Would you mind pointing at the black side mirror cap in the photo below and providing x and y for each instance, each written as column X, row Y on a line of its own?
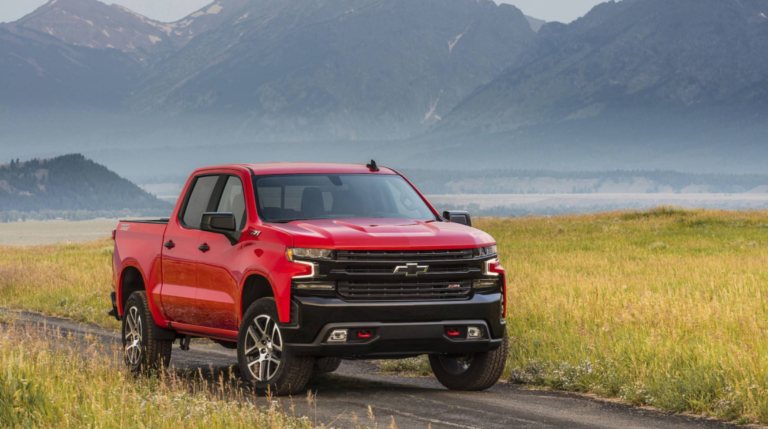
column 458, row 216
column 221, row 223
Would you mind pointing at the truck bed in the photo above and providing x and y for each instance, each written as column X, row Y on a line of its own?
column 162, row 221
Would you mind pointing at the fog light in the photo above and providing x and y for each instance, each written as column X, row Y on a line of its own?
column 474, row 332
column 338, row 336
column 315, row 286
column 483, row 284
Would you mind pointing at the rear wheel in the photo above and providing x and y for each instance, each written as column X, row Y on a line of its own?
column 264, row 362
column 141, row 350
column 327, row 365
column 471, row 372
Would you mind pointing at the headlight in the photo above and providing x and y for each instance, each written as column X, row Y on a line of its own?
column 294, row 254
column 485, row 251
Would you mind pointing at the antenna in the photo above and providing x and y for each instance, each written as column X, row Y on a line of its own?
column 373, row 166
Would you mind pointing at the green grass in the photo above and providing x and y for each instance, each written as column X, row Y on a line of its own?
column 666, row 308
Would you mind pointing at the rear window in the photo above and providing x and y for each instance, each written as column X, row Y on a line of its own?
column 308, row 197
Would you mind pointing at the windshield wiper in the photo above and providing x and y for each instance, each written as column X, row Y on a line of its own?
column 287, row 220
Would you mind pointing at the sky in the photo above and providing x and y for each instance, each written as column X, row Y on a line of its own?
column 161, row 10
column 553, row 10
column 173, row 10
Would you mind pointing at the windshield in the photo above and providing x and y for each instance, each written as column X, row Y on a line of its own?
column 337, row 196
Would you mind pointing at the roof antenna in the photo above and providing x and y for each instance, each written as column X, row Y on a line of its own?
column 373, row 166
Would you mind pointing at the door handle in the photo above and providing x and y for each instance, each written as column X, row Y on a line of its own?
column 169, row 245
column 204, row 247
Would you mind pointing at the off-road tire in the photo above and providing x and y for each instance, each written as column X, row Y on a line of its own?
column 326, row 365
column 294, row 371
column 154, row 354
column 483, row 372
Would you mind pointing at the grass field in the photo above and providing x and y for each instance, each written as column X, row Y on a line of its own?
column 38, row 388
column 665, row 308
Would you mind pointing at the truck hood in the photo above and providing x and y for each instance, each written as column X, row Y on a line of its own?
column 383, row 234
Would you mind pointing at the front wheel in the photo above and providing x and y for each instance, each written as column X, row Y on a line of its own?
column 471, row 372
column 141, row 350
column 264, row 362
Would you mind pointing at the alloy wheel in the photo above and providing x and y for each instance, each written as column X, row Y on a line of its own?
column 264, row 348
column 133, row 347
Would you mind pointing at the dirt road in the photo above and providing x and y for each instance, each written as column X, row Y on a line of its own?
column 344, row 397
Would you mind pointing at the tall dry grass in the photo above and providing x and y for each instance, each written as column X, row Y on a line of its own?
column 664, row 308
column 46, row 382
column 71, row 281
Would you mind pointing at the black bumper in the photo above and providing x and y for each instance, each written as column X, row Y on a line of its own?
column 395, row 328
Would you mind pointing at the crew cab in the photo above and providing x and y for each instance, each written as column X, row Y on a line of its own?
column 301, row 265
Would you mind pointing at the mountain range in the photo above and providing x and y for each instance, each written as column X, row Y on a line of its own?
column 678, row 57
column 349, row 69
column 673, row 84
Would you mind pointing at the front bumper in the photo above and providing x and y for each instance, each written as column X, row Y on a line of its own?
column 395, row 328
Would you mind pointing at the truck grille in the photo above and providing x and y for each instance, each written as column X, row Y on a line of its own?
column 394, row 291
column 404, row 255
column 389, row 269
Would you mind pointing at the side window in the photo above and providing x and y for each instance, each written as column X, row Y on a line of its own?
column 233, row 200
column 198, row 201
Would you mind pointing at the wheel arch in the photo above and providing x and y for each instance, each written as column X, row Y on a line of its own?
column 131, row 280
column 256, row 285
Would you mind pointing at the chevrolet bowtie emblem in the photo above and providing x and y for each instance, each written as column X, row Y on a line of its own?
column 411, row 270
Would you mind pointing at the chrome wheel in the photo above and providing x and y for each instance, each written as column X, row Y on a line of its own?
column 133, row 346
column 263, row 348
column 456, row 365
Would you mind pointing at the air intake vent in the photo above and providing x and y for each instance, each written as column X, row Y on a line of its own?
column 403, row 291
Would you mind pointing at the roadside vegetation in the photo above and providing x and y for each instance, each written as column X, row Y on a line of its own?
column 71, row 281
column 666, row 308
column 38, row 388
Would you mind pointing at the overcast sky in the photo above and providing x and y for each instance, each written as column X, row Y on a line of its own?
column 173, row 10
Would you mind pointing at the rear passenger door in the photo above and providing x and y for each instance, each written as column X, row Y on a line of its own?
column 217, row 284
column 180, row 251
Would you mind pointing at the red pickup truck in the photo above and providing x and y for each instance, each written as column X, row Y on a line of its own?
column 298, row 265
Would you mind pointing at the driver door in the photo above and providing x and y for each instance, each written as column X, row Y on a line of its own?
column 217, row 281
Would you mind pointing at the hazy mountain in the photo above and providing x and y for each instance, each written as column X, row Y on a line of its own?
column 629, row 65
column 70, row 182
column 208, row 18
column 337, row 68
column 40, row 71
column 536, row 24
column 93, row 24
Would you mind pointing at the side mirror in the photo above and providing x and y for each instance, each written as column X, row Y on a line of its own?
column 458, row 216
column 221, row 223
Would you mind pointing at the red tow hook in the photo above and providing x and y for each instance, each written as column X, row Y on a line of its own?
column 451, row 332
column 364, row 334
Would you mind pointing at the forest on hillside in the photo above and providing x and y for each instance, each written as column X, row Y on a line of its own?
column 70, row 187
